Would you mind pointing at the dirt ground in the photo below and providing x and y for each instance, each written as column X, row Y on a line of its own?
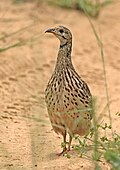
column 26, row 139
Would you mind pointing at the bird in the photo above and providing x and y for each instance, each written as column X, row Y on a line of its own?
column 67, row 95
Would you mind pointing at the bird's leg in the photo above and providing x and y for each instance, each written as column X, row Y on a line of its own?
column 69, row 143
column 64, row 144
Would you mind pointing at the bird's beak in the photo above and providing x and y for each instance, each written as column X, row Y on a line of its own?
column 50, row 30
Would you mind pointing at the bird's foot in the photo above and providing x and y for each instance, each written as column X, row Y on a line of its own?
column 64, row 151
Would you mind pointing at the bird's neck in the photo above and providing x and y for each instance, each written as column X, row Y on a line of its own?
column 64, row 55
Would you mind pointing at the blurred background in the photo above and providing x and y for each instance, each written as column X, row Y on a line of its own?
column 27, row 60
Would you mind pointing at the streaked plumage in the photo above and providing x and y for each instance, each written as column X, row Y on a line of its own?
column 67, row 96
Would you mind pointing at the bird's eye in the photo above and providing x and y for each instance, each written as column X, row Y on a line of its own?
column 61, row 31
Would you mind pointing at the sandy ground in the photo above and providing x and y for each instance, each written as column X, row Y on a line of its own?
column 26, row 139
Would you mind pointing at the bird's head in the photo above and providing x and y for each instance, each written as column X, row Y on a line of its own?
column 62, row 33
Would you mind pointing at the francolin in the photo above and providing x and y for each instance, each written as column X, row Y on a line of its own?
column 67, row 96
